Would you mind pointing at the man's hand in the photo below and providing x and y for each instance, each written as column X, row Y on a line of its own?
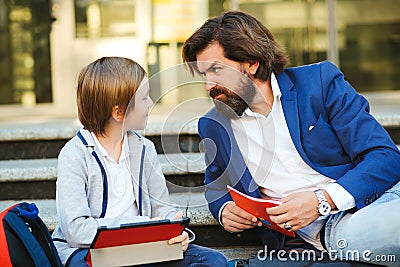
column 298, row 209
column 235, row 220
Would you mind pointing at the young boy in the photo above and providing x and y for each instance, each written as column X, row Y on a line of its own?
column 109, row 175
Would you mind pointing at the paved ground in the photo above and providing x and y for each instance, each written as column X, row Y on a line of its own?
column 385, row 106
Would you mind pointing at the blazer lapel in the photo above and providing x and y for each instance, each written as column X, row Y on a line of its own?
column 235, row 162
column 291, row 111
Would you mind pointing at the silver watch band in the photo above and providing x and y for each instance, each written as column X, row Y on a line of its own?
column 320, row 196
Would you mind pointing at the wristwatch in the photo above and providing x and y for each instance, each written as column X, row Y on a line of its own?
column 324, row 208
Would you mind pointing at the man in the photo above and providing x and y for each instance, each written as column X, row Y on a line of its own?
column 300, row 134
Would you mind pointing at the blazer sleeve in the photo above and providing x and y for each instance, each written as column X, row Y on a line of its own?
column 370, row 148
column 216, row 175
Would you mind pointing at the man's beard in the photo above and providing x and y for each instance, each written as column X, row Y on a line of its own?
column 233, row 105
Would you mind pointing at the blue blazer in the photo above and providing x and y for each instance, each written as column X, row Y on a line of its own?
column 346, row 143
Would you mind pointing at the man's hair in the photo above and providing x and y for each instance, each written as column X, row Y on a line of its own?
column 243, row 39
column 104, row 84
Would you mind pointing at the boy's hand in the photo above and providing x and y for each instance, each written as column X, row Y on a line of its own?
column 183, row 238
column 179, row 215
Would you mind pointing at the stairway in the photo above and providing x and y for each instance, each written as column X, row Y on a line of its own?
column 28, row 162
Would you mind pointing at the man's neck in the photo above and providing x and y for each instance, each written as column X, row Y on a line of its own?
column 264, row 98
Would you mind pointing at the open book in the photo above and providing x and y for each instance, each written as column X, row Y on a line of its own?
column 257, row 206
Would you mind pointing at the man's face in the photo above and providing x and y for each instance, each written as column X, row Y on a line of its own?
column 228, row 85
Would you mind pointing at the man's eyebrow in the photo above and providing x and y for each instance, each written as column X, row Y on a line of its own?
column 210, row 67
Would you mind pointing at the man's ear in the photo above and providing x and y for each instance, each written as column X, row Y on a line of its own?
column 118, row 114
column 253, row 67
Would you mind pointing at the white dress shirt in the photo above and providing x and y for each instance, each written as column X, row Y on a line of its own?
column 276, row 166
column 121, row 198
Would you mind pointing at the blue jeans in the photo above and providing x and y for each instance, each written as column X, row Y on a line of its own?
column 194, row 256
column 371, row 234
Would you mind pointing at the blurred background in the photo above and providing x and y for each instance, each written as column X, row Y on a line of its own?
column 44, row 43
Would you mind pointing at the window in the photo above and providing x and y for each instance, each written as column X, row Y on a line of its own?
column 25, row 52
column 104, row 18
column 370, row 43
column 368, row 35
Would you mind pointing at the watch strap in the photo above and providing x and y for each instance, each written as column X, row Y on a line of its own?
column 320, row 196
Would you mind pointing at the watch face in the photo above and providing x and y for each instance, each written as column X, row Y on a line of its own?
column 324, row 208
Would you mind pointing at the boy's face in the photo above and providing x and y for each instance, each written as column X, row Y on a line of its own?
column 136, row 117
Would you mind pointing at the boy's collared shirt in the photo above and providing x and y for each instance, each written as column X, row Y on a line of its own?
column 121, row 198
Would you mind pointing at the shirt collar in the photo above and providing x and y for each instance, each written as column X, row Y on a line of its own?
column 104, row 152
column 276, row 91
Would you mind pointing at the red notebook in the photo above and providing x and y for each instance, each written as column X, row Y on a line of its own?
column 141, row 232
column 136, row 243
column 257, row 206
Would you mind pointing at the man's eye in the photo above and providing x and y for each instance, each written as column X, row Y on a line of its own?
column 215, row 69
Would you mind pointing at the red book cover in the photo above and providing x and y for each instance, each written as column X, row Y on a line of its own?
column 257, row 206
column 141, row 232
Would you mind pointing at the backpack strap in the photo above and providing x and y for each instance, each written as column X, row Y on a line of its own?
column 5, row 255
column 17, row 224
column 42, row 234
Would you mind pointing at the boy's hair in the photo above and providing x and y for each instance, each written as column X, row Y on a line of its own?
column 104, row 84
column 243, row 39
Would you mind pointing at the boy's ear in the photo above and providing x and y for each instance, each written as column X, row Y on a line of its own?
column 118, row 114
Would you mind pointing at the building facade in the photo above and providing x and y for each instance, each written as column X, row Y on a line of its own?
column 44, row 43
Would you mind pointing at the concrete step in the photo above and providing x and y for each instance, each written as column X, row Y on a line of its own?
column 238, row 252
column 194, row 206
column 46, row 169
column 44, row 139
column 35, row 178
column 50, row 148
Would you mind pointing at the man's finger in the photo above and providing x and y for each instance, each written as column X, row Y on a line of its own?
column 280, row 219
column 281, row 209
column 241, row 213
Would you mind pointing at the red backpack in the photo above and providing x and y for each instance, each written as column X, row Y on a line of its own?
column 24, row 238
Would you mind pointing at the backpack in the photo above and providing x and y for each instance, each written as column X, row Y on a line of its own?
column 24, row 238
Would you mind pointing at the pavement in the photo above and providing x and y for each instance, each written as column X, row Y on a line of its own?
column 181, row 118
